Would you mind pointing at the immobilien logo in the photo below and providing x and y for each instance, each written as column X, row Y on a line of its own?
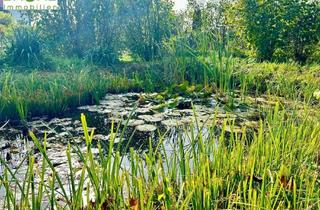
column 29, row 4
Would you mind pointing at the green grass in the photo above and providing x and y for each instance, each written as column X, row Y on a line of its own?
column 25, row 95
column 275, row 167
column 288, row 80
column 40, row 93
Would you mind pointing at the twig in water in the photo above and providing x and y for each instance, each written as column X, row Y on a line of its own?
column 4, row 125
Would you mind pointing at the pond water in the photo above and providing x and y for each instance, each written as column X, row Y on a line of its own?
column 143, row 117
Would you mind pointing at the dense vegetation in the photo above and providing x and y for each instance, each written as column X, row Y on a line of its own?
column 52, row 62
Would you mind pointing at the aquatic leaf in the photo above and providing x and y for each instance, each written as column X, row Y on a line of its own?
column 146, row 128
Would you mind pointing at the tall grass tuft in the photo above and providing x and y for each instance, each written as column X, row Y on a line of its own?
column 37, row 93
column 25, row 48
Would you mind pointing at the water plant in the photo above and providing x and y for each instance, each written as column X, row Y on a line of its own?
column 274, row 167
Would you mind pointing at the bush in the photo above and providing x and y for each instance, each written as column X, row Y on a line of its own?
column 315, row 56
column 25, row 48
column 278, row 30
column 6, row 25
column 6, row 22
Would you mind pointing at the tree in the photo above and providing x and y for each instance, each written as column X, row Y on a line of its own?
column 148, row 24
column 6, row 28
column 87, row 29
column 101, row 29
column 196, row 11
column 279, row 30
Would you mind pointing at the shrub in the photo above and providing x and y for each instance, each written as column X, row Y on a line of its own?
column 278, row 30
column 25, row 48
column 6, row 25
column 315, row 56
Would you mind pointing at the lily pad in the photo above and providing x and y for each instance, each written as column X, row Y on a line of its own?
column 233, row 129
column 94, row 109
column 114, row 120
column 152, row 118
column 80, row 130
column 120, row 114
column 143, row 110
column 146, row 128
column 68, row 129
column 115, row 103
column 173, row 114
column 172, row 122
column 116, row 139
column 100, row 137
column 104, row 111
column 133, row 123
column 160, row 107
column 63, row 135
column 59, row 121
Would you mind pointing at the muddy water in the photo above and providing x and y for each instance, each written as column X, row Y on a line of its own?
column 143, row 115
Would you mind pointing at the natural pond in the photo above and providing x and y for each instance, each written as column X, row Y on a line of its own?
column 130, row 120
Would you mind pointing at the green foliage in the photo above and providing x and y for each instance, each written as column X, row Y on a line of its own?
column 279, row 30
column 25, row 48
column 6, row 29
column 315, row 56
column 24, row 95
column 273, row 166
column 6, row 23
column 101, row 30
column 289, row 80
column 81, row 28
column 316, row 94
column 37, row 93
column 148, row 24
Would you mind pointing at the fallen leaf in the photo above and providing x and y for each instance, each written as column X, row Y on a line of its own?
column 134, row 204
column 285, row 183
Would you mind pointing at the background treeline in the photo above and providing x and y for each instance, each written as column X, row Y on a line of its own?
column 107, row 32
